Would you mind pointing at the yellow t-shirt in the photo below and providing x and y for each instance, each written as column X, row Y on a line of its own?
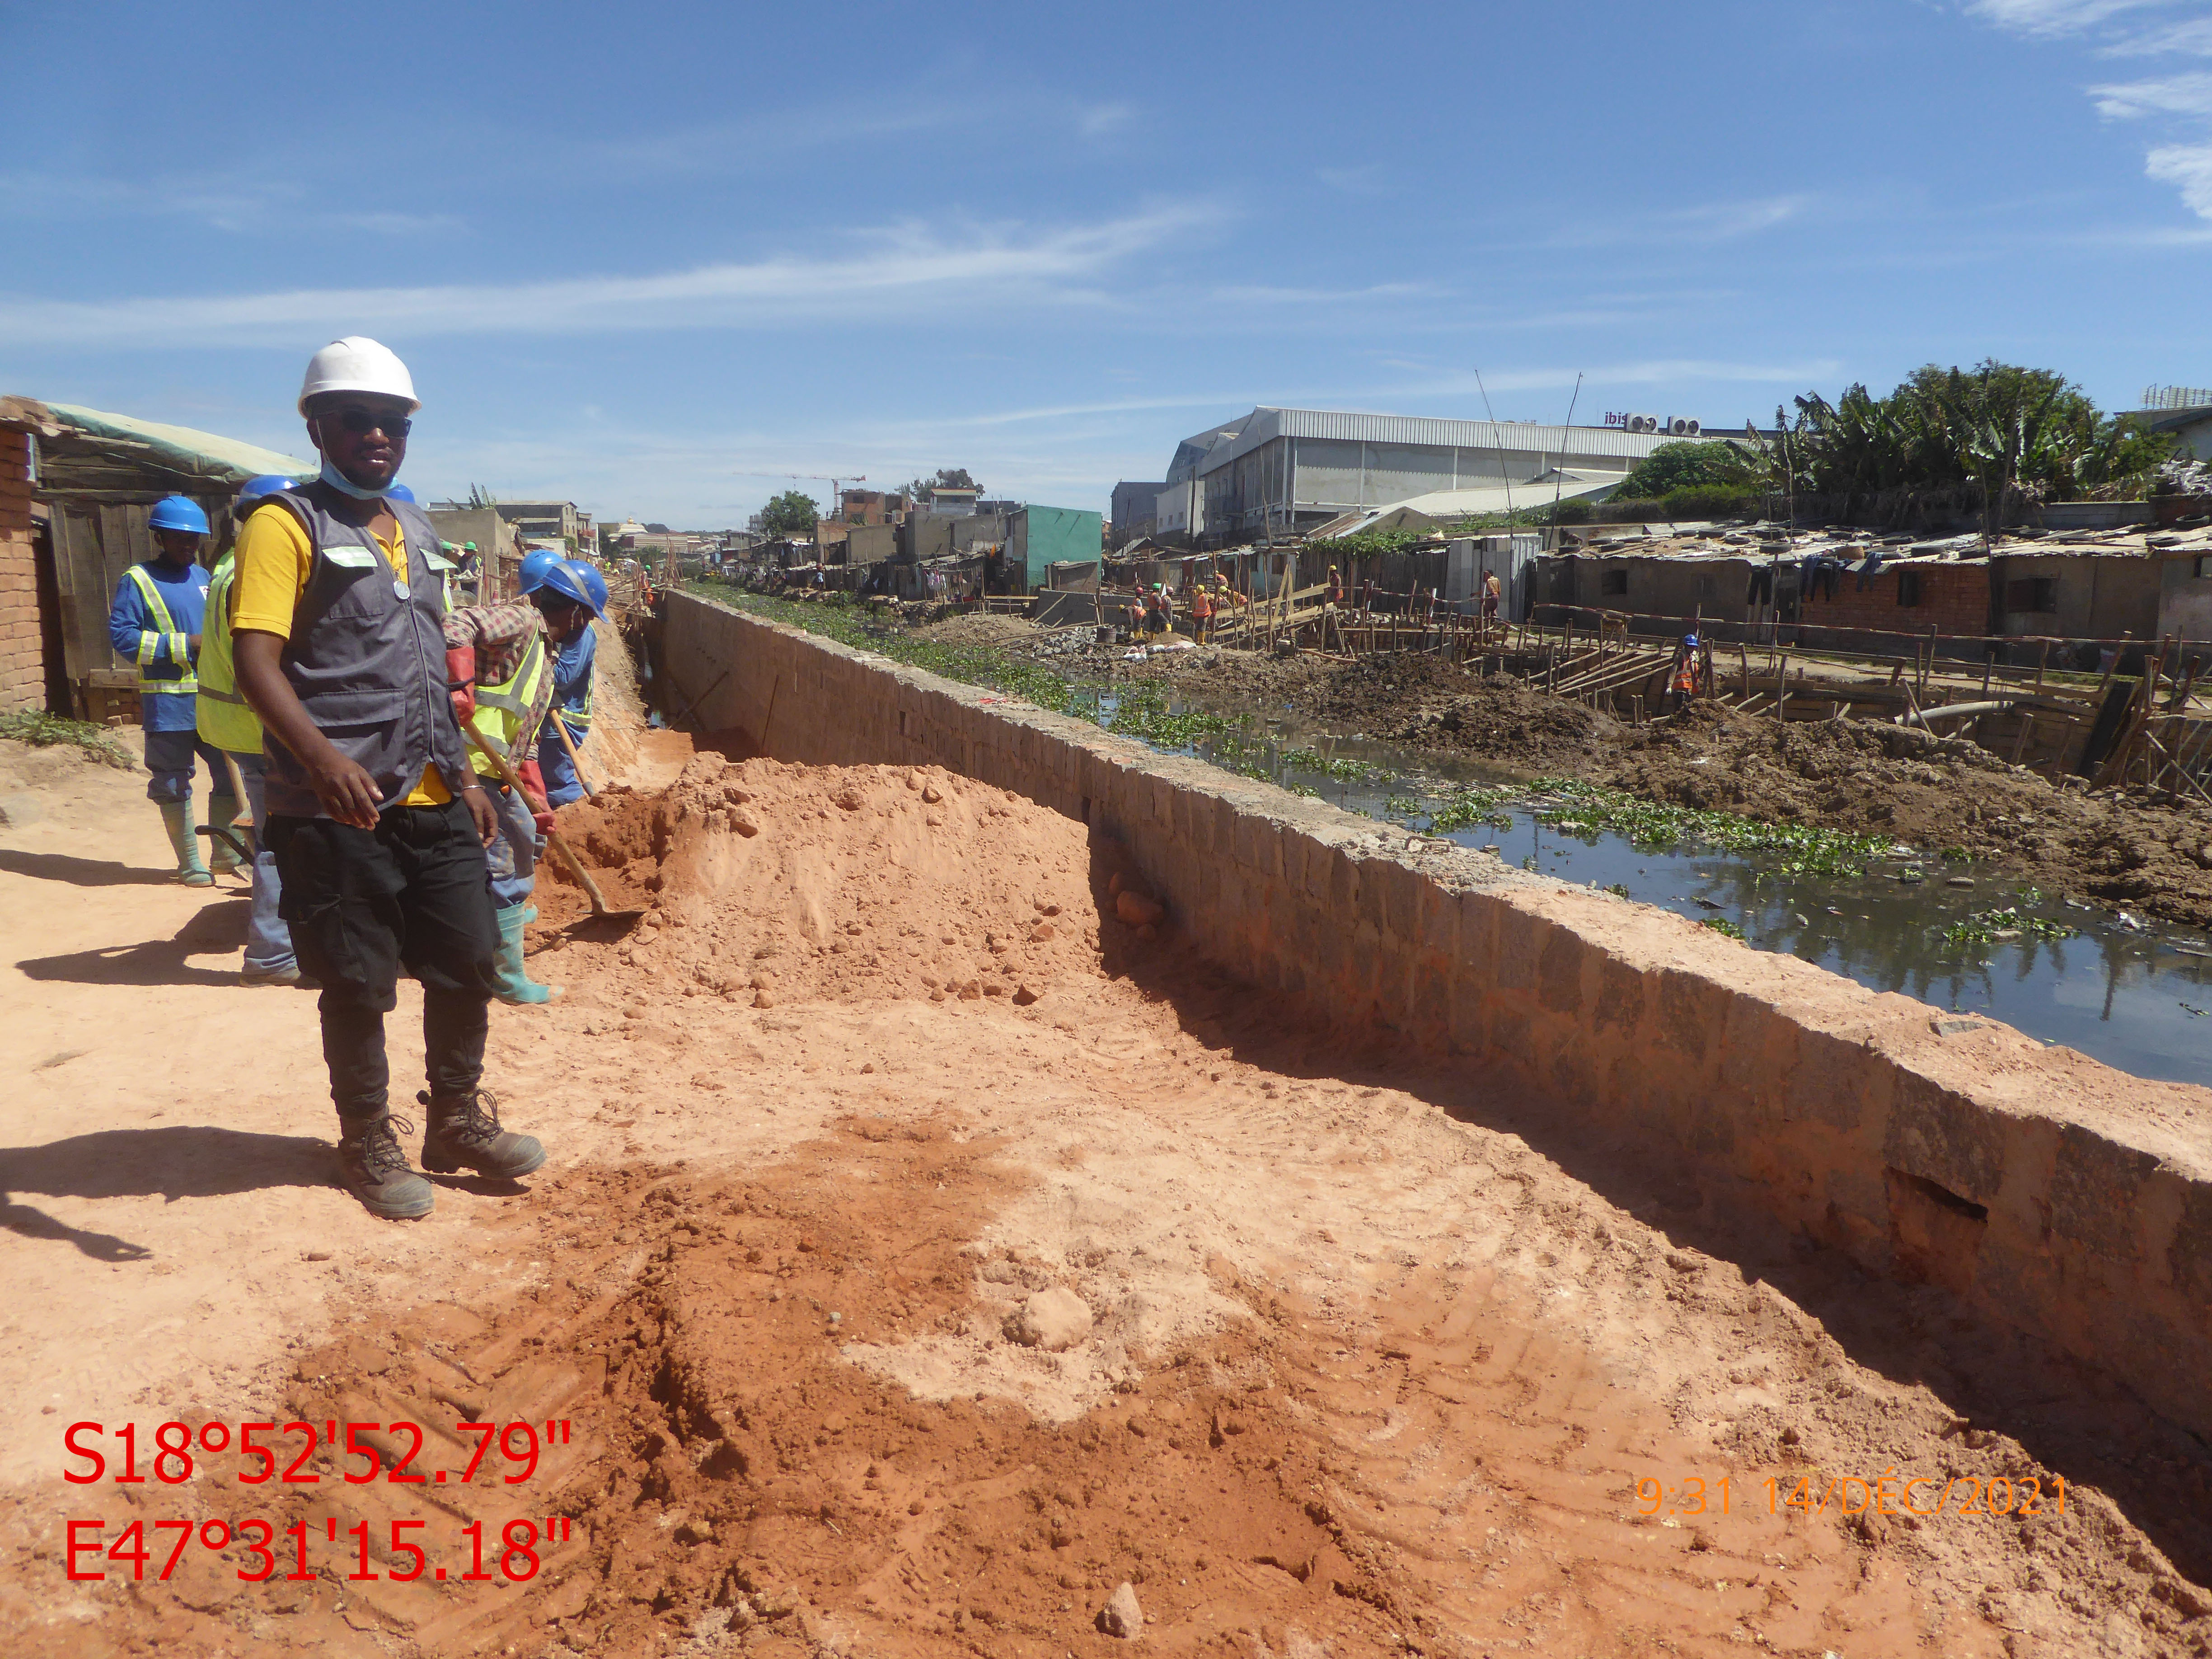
column 275, row 560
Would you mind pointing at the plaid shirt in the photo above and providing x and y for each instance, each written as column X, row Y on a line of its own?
column 499, row 634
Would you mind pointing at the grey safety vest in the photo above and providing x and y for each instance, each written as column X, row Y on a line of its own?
column 367, row 657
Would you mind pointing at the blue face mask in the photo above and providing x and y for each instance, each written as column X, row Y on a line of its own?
column 338, row 481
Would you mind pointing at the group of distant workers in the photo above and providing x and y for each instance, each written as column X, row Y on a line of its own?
column 322, row 672
column 1152, row 611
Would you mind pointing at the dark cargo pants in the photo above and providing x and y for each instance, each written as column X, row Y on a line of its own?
column 360, row 903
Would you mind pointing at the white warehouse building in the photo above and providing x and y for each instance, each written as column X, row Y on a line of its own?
column 1293, row 469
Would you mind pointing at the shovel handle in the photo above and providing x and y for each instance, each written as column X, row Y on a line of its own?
column 507, row 774
column 560, row 731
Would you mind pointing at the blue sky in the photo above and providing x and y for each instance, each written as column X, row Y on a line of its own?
column 637, row 255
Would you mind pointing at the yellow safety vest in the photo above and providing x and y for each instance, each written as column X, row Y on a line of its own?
column 501, row 709
column 225, row 720
column 185, row 684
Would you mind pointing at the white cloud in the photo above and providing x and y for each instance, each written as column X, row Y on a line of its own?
column 1261, row 294
column 2183, row 101
column 2189, row 168
column 236, row 204
column 1097, row 120
column 2051, row 17
column 901, row 271
column 2189, row 95
column 1705, row 222
column 2192, row 39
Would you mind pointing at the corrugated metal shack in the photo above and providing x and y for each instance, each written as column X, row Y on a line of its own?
column 98, row 474
column 2060, row 597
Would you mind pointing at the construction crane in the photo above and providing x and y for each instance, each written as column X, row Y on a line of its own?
column 836, row 484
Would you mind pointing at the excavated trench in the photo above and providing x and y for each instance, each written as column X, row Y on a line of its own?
column 984, row 1252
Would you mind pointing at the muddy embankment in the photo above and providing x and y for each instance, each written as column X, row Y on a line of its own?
column 2124, row 849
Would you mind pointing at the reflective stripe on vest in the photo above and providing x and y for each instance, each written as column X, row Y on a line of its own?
column 501, row 709
column 185, row 684
column 224, row 718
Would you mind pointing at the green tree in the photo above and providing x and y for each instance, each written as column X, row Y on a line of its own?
column 794, row 513
column 1695, row 463
column 1954, row 439
column 945, row 477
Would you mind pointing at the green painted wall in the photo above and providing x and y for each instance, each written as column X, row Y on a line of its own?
column 1059, row 535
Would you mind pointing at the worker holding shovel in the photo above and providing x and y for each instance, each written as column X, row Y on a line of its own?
column 378, row 821
column 500, row 667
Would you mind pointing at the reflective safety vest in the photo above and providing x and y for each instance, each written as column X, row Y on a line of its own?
column 185, row 684
column 578, row 717
column 443, row 568
column 501, row 709
column 224, row 718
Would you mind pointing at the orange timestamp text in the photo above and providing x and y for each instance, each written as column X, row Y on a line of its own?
column 1890, row 1493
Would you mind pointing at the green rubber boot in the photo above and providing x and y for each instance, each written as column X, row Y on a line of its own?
column 516, row 987
column 176, row 819
column 222, row 811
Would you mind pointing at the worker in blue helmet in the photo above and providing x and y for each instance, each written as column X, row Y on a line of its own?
column 154, row 625
column 535, row 564
column 226, row 721
column 499, row 670
column 572, row 695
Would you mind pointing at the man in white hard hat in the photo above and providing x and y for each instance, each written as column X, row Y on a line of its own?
column 376, row 816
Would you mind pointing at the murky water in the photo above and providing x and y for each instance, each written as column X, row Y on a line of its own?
column 2135, row 995
column 2138, row 998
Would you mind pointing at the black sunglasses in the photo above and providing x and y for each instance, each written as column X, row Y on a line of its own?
column 359, row 421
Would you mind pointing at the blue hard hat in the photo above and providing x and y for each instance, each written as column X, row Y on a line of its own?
column 254, row 489
column 177, row 513
column 534, row 567
column 399, row 492
column 595, row 586
column 565, row 578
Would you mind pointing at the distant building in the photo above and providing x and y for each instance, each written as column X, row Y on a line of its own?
column 867, row 506
column 558, row 521
column 1132, row 511
column 1295, row 469
column 2184, row 413
column 949, row 501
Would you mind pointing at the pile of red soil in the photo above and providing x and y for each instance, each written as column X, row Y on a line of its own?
column 766, row 882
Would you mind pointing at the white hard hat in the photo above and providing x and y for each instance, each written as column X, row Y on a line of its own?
column 358, row 363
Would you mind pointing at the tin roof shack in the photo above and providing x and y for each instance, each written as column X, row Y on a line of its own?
column 1658, row 586
column 2075, row 593
column 99, row 475
column 1038, row 538
column 2185, row 594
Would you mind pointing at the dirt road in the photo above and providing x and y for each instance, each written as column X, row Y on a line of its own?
column 924, row 1254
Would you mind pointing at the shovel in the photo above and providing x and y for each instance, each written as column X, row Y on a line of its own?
column 599, row 911
column 553, row 718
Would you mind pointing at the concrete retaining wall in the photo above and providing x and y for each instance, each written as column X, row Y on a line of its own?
column 2044, row 1189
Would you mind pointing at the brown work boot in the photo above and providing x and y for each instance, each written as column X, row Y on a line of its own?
column 375, row 1170
column 465, row 1131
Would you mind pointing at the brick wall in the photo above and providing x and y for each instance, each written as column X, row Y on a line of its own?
column 22, row 653
column 1955, row 598
column 1779, row 1090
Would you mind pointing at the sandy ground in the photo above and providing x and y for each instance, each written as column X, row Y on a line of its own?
column 923, row 1254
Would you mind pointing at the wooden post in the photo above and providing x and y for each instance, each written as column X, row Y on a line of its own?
column 2042, row 663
